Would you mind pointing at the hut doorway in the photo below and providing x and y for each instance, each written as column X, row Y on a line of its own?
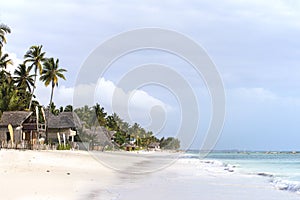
column 7, row 136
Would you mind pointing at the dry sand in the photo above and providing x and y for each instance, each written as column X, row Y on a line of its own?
column 50, row 174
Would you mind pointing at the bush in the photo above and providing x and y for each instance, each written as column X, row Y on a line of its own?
column 63, row 147
column 170, row 143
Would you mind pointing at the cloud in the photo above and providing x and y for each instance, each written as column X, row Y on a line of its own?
column 136, row 105
column 255, row 45
column 249, row 28
column 16, row 61
column 139, row 106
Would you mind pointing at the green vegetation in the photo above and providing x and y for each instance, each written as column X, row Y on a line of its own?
column 124, row 133
column 63, row 147
column 23, row 78
column 170, row 143
column 17, row 93
column 17, row 90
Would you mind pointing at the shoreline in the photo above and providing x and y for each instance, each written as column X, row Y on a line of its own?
column 79, row 175
column 204, row 181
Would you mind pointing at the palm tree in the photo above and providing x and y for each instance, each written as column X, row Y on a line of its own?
column 135, row 129
column 53, row 109
column 68, row 108
column 23, row 79
column 51, row 73
column 35, row 57
column 100, row 114
column 4, row 62
column 3, row 30
column 9, row 98
column 111, row 123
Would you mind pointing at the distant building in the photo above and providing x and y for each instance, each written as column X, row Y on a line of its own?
column 129, row 147
column 155, row 146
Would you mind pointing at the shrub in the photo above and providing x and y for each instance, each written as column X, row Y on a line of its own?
column 63, row 147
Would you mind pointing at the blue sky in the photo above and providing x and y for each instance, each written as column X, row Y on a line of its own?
column 254, row 44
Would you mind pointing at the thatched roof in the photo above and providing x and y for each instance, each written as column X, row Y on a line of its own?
column 15, row 118
column 101, row 134
column 63, row 120
column 154, row 145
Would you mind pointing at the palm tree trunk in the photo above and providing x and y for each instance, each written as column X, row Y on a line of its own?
column 51, row 97
column 35, row 74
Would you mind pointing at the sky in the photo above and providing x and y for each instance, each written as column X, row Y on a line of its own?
column 254, row 45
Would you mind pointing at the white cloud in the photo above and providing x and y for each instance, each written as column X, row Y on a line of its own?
column 139, row 105
column 135, row 105
column 16, row 61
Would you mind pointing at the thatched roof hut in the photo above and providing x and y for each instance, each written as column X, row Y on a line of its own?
column 21, row 119
column 63, row 123
column 66, row 123
column 154, row 146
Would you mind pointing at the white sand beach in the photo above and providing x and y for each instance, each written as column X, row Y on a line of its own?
column 50, row 174
column 78, row 175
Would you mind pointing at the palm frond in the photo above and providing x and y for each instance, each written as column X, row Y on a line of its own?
column 5, row 28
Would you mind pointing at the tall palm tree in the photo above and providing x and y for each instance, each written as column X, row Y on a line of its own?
column 51, row 73
column 36, row 58
column 23, row 79
column 3, row 30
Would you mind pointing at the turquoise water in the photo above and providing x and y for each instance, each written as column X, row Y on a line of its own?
column 283, row 169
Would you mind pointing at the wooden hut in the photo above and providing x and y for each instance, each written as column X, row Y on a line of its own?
column 154, row 146
column 23, row 124
column 65, row 123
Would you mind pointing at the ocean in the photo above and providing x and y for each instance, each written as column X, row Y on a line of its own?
column 281, row 168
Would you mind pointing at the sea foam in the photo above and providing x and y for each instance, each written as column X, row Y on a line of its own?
column 281, row 184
